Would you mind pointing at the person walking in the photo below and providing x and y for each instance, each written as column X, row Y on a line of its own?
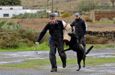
column 79, row 27
column 55, row 28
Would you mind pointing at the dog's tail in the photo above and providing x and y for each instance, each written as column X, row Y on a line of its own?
column 89, row 50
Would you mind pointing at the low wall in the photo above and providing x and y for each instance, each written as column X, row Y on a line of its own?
column 105, row 34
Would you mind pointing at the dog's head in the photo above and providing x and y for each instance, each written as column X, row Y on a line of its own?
column 74, row 37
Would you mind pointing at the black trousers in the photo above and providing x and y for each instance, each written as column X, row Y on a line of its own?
column 83, row 41
column 54, row 46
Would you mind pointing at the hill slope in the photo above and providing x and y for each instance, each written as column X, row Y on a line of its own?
column 58, row 4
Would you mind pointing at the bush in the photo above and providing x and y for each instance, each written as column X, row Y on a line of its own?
column 65, row 14
column 8, row 39
column 86, row 5
column 2, row 23
column 113, row 20
column 41, row 14
column 104, row 6
column 29, row 34
column 10, row 2
column 11, row 26
column 87, row 18
column 11, row 35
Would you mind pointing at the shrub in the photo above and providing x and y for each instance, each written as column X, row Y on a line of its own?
column 11, row 35
column 87, row 18
column 8, row 39
column 104, row 6
column 11, row 26
column 10, row 2
column 114, row 20
column 86, row 5
column 2, row 23
column 65, row 14
column 27, row 33
column 41, row 14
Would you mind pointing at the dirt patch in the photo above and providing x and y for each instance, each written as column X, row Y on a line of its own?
column 38, row 24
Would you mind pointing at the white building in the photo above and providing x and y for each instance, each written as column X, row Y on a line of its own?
column 10, row 11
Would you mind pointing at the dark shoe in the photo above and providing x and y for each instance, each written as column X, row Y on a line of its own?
column 64, row 65
column 54, row 70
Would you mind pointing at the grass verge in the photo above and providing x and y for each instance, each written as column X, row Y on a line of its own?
column 43, row 63
column 44, row 47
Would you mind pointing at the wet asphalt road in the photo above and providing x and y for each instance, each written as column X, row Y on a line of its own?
column 20, row 57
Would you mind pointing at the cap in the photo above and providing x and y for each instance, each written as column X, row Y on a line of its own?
column 53, row 14
column 77, row 14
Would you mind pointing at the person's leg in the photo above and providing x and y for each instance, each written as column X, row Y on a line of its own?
column 83, row 42
column 62, row 53
column 52, row 56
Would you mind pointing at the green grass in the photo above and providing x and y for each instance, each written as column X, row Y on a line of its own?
column 99, row 61
column 104, row 22
column 44, row 47
column 102, row 46
column 43, row 63
column 27, row 64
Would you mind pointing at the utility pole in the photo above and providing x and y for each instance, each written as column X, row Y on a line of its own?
column 52, row 6
column 47, row 4
column 47, row 8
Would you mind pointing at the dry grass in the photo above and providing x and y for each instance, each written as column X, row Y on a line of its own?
column 38, row 24
column 58, row 4
column 101, row 27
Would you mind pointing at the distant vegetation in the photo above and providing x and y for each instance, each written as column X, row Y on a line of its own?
column 41, row 14
column 10, row 2
column 70, row 5
column 87, row 5
column 13, row 35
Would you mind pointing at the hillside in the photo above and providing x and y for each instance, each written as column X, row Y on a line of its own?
column 58, row 4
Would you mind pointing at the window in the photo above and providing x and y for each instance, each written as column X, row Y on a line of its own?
column 5, row 15
column 11, row 8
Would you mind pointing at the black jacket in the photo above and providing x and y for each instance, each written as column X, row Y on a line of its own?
column 80, row 27
column 55, row 31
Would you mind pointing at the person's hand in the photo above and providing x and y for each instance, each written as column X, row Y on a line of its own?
column 37, row 43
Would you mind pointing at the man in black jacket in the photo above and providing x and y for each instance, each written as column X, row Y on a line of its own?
column 79, row 27
column 55, row 28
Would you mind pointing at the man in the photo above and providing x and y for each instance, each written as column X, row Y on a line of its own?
column 79, row 27
column 55, row 28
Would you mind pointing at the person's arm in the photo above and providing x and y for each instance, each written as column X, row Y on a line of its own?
column 64, row 24
column 84, row 27
column 42, row 33
column 72, row 25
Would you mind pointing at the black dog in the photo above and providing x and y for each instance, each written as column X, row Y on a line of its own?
column 77, row 47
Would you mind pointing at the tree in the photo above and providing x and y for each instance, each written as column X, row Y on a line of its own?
column 10, row 2
column 113, row 2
